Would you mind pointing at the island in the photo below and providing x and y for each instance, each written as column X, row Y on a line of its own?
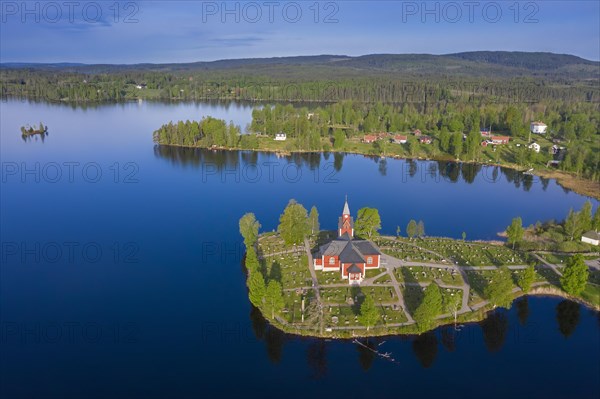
column 27, row 130
column 354, row 282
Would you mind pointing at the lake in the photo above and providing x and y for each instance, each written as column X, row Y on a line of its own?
column 121, row 268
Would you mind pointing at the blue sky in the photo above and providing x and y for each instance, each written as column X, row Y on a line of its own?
column 185, row 31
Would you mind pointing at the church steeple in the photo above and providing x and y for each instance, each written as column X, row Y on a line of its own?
column 346, row 211
column 346, row 223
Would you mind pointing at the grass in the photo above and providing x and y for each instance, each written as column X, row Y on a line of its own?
column 468, row 253
column 293, row 306
column 289, row 268
column 370, row 273
column 594, row 277
column 333, row 277
column 413, row 295
column 406, row 251
column 425, row 274
column 591, row 293
column 555, row 259
column 385, row 279
column 464, row 253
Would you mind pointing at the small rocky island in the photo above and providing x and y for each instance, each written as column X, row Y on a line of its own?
column 27, row 130
column 353, row 282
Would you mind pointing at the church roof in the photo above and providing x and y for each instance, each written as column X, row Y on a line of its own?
column 354, row 269
column 333, row 248
column 345, row 237
column 350, row 254
column 349, row 251
column 366, row 247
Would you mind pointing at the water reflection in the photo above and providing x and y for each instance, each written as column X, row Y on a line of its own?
column 449, row 338
column 448, row 171
column 34, row 136
column 522, row 306
column 494, row 329
column 338, row 161
column 567, row 316
column 425, row 347
column 366, row 355
column 273, row 337
column 316, row 358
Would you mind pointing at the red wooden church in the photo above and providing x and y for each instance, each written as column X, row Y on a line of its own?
column 346, row 255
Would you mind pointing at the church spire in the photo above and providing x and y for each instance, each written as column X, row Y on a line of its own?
column 346, row 207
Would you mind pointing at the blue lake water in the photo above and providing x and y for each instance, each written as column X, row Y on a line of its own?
column 121, row 268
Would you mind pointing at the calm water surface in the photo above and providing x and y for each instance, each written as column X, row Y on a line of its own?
column 121, row 268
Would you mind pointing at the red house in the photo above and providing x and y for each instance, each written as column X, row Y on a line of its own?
column 400, row 139
column 346, row 255
column 369, row 138
column 500, row 139
column 425, row 140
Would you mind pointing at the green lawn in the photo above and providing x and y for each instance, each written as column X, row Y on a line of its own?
column 592, row 293
column 385, row 279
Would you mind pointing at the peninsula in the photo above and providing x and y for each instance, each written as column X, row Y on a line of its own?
column 353, row 282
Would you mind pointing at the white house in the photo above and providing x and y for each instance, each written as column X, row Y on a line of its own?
column 591, row 237
column 280, row 137
column 538, row 127
column 534, row 146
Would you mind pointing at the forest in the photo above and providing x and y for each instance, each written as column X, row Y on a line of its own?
column 455, row 131
column 328, row 103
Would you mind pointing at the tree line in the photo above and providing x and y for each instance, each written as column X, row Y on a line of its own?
column 256, row 85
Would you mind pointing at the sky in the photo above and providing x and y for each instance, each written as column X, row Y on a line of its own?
column 127, row 32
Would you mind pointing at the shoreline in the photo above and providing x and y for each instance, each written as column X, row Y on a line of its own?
column 470, row 312
column 587, row 188
column 406, row 330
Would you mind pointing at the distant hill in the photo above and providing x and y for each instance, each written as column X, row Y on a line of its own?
column 517, row 59
column 477, row 64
